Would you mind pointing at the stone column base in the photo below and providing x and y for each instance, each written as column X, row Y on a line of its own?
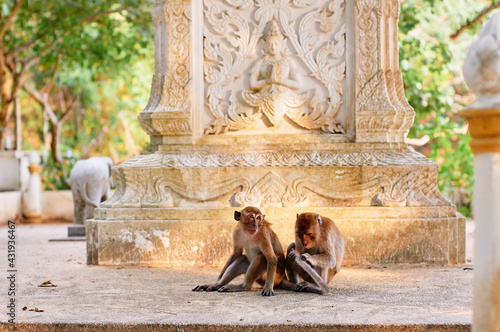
column 203, row 236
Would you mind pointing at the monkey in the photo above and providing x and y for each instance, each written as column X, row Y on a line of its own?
column 316, row 255
column 263, row 261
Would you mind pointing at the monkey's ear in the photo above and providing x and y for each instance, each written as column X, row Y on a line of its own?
column 237, row 215
column 297, row 216
column 318, row 218
column 263, row 216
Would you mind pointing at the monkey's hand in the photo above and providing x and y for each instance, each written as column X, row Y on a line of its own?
column 305, row 257
column 301, row 286
column 206, row 288
column 291, row 255
column 267, row 292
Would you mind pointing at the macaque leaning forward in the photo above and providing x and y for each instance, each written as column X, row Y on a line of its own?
column 316, row 255
column 263, row 261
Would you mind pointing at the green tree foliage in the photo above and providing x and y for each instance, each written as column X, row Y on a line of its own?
column 431, row 64
column 89, row 72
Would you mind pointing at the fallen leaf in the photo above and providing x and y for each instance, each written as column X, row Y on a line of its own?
column 241, row 319
column 25, row 308
column 327, row 306
column 468, row 269
column 120, row 267
column 79, row 262
column 47, row 283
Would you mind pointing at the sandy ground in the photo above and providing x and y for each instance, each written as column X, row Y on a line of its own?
column 385, row 295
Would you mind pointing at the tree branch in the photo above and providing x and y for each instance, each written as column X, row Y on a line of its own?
column 96, row 16
column 10, row 18
column 19, row 48
column 42, row 99
column 50, row 83
column 477, row 18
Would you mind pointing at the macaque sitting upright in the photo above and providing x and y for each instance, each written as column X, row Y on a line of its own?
column 263, row 261
column 316, row 255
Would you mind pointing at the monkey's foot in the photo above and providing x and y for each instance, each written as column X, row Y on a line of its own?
column 233, row 288
column 267, row 292
column 206, row 288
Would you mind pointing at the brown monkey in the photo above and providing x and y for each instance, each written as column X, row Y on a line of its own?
column 316, row 255
column 263, row 261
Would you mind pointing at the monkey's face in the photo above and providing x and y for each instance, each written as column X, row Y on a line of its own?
column 307, row 229
column 250, row 218
column 308, row 238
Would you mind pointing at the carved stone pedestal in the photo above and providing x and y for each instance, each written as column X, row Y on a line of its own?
column 290, row 106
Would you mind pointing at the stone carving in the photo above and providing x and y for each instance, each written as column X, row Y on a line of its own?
column 90, row 184
column 279, row 159
column 382, row 111
column 169, row 109
column 248, row 105
column 415, row 188
column 274, row 79
column 482, row 65
column 413, row 184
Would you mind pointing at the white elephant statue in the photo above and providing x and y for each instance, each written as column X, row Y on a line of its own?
column 90, row 184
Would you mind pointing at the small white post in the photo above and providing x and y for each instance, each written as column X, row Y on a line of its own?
column 482, row 74
column 32, row 198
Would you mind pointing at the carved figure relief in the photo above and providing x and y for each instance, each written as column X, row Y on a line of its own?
column 314, row 29
column 275, row 79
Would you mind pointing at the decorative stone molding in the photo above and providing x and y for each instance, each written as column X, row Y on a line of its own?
column 169, row 109
column 277, row 179
column 278, row 159
column 382, row 111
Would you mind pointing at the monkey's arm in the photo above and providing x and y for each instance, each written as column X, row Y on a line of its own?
column 325, row 261
column 272, row 263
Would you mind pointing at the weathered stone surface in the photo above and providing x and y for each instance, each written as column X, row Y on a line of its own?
column 176, row 236
column 293, row 106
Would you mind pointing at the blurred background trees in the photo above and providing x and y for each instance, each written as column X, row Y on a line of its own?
column 79, row 73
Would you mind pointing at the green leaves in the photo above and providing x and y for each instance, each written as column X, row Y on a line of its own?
column 431, row 64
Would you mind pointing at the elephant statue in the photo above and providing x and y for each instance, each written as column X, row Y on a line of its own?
column 90, row 184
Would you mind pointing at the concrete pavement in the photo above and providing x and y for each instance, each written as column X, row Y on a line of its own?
column 131, row 298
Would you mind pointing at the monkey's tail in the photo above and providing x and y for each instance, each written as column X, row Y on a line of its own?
column 314, row 275
column 86, row 198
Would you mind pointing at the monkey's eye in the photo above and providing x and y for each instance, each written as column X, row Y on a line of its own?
column 258, row 217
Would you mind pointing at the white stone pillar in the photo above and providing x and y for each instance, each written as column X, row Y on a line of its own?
column 32, row 198
column 482, row 74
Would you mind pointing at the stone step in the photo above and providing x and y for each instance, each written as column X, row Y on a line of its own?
column 273, row 213
column 152, row 327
